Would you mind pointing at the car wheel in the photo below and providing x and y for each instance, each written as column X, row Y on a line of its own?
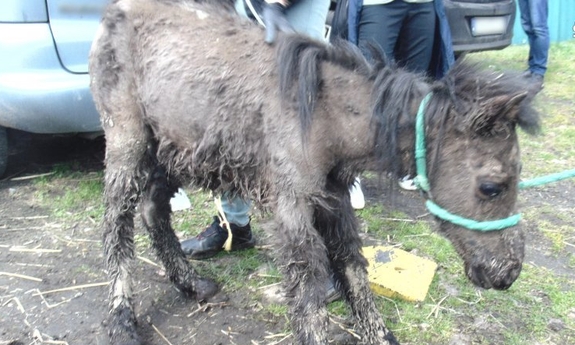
column 3, row 150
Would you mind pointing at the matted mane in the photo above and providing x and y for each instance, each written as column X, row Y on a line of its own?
column 467, row 85
column 395, row 89
column 299, row 59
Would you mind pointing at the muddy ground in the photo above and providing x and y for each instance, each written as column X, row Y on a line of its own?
column 39, row 255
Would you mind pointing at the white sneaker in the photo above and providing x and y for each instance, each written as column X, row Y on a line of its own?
column 407, row 183
column 356, row 195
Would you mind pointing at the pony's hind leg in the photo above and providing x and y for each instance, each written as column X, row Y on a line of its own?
column 155, row 211
column 336, row 222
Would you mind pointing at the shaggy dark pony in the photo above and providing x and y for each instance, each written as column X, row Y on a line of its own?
column 188, row 93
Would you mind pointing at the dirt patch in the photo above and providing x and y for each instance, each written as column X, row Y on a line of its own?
column 38, row 255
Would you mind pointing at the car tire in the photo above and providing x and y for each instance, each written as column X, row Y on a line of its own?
column 3, row 150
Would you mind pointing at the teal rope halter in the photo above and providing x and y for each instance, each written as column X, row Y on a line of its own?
column 422, row 182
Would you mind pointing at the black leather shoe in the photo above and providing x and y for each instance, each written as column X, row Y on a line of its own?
column 211, row 241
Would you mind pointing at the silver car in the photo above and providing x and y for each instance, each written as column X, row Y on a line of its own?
column 44, row 82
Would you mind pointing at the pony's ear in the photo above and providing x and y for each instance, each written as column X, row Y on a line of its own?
column 512, row 107
column 498, row 110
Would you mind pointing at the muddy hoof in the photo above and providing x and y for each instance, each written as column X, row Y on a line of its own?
column 122, row 328
column 205, row 289
column 391, row 339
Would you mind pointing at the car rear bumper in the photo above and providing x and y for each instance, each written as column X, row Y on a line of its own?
column 36, row 94
column 461, row 17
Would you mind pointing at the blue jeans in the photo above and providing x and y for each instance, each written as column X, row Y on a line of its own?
column 534, row 15
column 307, row 17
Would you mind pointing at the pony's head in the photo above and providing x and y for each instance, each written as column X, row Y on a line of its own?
column 473, row 158
column 474, row 164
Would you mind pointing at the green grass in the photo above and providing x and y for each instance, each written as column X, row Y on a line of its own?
column 73, row 195
column 453, row 308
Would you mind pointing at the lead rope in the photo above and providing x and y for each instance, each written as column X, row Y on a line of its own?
column 538, row 181
column 224, row 223
column 422, row 182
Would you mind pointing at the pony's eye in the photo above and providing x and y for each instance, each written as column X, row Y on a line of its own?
column 490, row 189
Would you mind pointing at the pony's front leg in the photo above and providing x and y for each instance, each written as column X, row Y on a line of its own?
column 155, row 211
column 303, row 262
column 337, row 223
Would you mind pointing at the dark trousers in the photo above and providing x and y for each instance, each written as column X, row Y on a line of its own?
column 405, row 31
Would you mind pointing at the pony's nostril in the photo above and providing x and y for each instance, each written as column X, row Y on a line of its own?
column 508, row 280
column 479, row 277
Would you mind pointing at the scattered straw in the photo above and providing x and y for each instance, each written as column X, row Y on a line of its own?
column 28, row 218
column 48, row 305
column 400, row 220
column 18, row 304
column 229, row 332
column 396, row 308
column 435, row 309
column 268, row 286
column 283, row 335
column 28, row 228
column 34, row 250
column 148, row 261
column 37, row 336
column 423, row 215
column 21, row 276
column 76, row 287
column 344, row 328
column 267, row 275
column 205, row 307
column 160, row 334
column 31, row 177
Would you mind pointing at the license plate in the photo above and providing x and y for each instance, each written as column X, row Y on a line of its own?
column 482, row 26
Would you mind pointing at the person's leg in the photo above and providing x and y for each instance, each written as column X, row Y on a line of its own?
column 381, row 24
column 525, row 18
column 309, row 17
column 305, row 16
column 416, row 38
column 211, row 241
column 236, row 210
column 539, row 38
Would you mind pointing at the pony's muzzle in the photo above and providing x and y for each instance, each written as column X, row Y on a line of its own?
column 494, row 276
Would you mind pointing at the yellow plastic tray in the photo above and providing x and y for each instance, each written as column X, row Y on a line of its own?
column 396, row 273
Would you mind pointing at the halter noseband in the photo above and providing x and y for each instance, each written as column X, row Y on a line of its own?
column 422, row 182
